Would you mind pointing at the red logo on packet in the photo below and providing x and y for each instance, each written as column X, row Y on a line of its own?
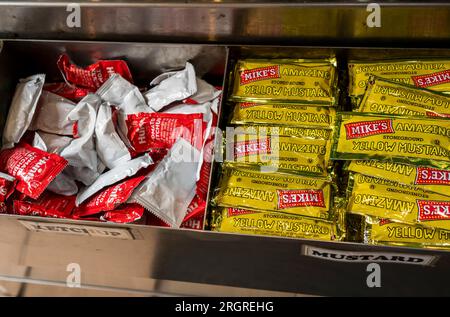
column 432, row 79
column 247, row 104
column 364, row 129
column 384, row 221
column 261, row 73
column 428, row 175
column 250, row 147
column 433, row 210
column 236, row 212
column 300, row 198
column 434, row 114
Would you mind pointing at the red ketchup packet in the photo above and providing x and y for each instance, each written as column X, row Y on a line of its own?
column 161, row 130
column 33, row 168
column 127, row 213
column 196, row 208
column 195, row 223
column 7, row 184
column 48, row 205
column 109, row 198
column 93, row 76
column 67, row 91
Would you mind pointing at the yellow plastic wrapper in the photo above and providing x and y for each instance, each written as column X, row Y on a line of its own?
column 278, row 192
column 281, row 153
column 418, row 141
column 384, row 231
column 432, row 74
column 284, row 115
column 287, row 81
column 300, row 132
column 384, row 96
column 376, row 197
column 426, row 178
column 242, row 221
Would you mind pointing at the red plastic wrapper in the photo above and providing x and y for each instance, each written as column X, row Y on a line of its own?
column 93, row 76
column 67, row 91
column 33, row 168
column 195, row 223
column 7, row 184
column 48, row 205
column 161, row 130
column 127, row 213
column 196, row 208
column 109, row 198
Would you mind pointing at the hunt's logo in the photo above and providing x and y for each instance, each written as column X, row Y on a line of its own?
column 432, row 79
column 434, row 114
column 261, row 73
column 251, row 147
column 236, row 212
column 364, row 129
column 430, row 210
column 300, row 198
column 429, row 176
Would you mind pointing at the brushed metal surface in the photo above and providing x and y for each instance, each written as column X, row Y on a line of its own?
column 403, row 23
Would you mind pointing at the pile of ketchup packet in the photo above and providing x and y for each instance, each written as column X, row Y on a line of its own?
column 97, row 147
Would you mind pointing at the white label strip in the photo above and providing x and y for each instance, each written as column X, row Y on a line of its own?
column 103, row 232
column 368, row 257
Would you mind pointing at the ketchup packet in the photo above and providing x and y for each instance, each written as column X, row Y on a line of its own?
column 127, row 213
column 66, row 90
column 33, row 168
column 94, row 75
column 52, row 114
column 110, row 147
column 169, row 189
column 7, row 184
column 51, row 143
column 172, row 86
column 196, row 208
column 64, row 185
column 110, row 197
column 22, row 109
column 49, row 205
column 195, row 223
column 114, row 175
column 161, row 130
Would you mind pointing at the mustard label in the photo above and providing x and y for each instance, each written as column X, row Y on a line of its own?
column 281, row 153
column 300, row 132
column 382, row 198
column 430, row 74
column 384, row 231
column 285, row 80
column 388, row 97
column 300, row 195
column 426, row 178
column 284, row 115
column 398, row 139
column 233, row 220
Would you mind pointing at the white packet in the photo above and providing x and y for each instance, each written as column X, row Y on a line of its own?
column 114, row 175
column 51, row 142
column 169, row 189
column 63, row 185
column 52, row 114
column 110, row 147
column 182, row 108
column 81, row 153
column 22, row 109
column 171, row 87
column 121, row 93
column 205, row 92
